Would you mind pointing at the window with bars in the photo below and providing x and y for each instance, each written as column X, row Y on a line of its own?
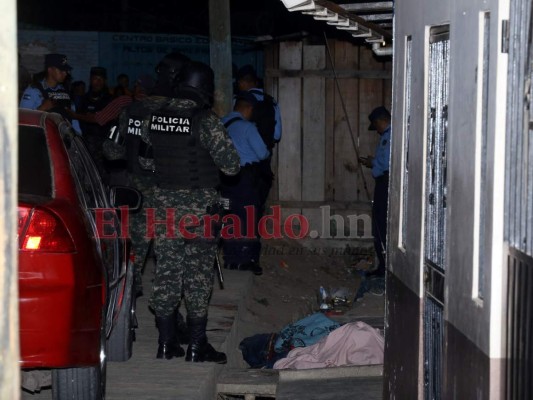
column 519, row 152
column 435, row 209
column 519, row 203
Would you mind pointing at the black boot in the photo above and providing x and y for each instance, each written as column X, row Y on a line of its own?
column 199, row 349
column 168, row 344
column 182, row 330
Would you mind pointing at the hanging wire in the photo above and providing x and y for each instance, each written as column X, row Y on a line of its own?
column 356, row 148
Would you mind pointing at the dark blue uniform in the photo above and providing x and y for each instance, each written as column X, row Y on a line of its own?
column 380, row 172
column 243, row 192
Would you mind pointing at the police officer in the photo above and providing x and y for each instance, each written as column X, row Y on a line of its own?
column 47, row 92
column 190, row 146
column 267, row 118
column 126, row 144
column 95, row 100
column 380, row 121
column 244, row 191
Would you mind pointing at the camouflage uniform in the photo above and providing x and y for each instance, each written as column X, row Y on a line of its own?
column 142, row 179
column 183, row 265
column 188, row 265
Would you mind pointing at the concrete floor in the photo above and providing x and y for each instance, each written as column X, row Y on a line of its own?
column 145, row 377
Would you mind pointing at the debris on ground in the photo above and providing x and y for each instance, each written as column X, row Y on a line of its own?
column 289, row 288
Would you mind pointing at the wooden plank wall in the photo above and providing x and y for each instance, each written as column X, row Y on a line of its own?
column 290, row 153
column 324, row 121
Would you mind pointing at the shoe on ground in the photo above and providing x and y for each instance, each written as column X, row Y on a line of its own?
column 204, row 352
column 169, row 351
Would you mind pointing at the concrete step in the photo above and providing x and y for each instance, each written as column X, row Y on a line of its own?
column 249, row 383
column 338, row 383
column 368, row 388
column 290, row 384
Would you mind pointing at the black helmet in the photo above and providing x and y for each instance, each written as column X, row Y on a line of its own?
column 199, row 76
column 171, row 65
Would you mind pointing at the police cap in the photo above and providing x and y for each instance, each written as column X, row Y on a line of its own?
column 58, row 61
column 378, row 113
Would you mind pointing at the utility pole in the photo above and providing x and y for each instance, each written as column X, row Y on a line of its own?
column 9, row 326
column 220, row 54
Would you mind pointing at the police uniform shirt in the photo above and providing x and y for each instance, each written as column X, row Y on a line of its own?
column 246, row 139
column 32, row 98
column 380, row 164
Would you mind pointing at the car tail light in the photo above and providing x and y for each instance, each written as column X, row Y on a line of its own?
column 39, row 230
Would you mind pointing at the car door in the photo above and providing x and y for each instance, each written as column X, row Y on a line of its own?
column 104, row 221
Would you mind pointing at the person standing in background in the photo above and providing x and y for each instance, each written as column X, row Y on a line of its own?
column 380, row 121
column 244, row 190
column 96, row 98
column 267, row 118
column 47, row 92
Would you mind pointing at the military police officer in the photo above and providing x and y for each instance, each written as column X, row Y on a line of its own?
column 189, row 146
column 127, row 144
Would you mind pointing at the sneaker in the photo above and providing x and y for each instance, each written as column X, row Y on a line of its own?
column 376, row 286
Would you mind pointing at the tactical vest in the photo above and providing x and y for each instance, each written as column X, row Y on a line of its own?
column 133, row 141
column 135, row 115
column 91, row 104
column 264, row 118
column 60, row 96
column 180, row 160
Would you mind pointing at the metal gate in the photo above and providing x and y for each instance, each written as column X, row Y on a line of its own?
column 435, row 210
column 519, row 203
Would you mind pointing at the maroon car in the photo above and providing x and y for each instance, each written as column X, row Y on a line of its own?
column 75, row 276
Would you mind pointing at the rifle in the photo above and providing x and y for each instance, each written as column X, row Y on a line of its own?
column 219, row 208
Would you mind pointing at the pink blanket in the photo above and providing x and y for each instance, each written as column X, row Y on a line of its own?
column 355, row 343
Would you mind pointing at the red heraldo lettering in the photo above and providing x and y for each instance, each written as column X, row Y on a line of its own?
column 102, row 222
column 184, row 224
column 124, row 222
column 169, row 222
column 250, row 222
column 233, row 230
column 208, row 225
column 269, row 226
column 275, row 219
column 288, row 228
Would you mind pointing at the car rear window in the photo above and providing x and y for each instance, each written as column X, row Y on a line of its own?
column 35, row 174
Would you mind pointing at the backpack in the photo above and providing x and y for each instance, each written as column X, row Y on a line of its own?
column 264, row 118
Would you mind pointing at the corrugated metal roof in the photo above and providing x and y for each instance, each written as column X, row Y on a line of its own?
column 369, row 20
